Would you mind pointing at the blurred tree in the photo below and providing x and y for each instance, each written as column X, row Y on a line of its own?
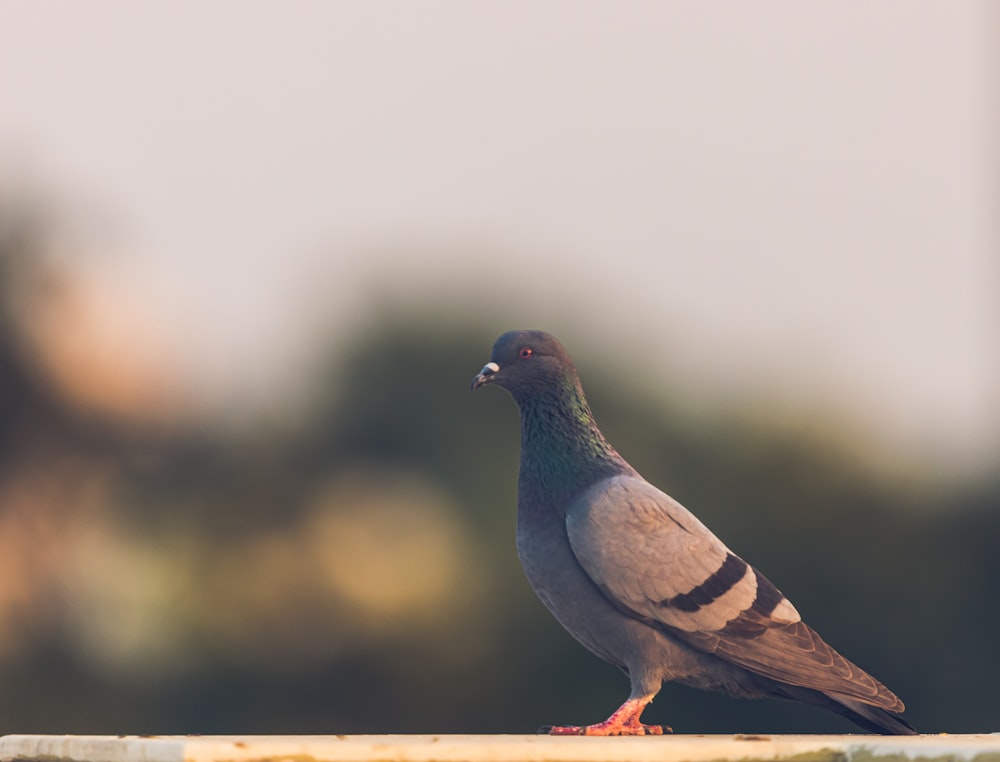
column 358, row 574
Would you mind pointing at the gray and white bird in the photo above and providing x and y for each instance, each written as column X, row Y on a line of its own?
column 639, row 580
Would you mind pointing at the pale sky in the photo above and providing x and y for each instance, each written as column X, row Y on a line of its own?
column 795, row 199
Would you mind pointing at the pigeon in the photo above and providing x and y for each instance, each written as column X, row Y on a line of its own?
column 639, row 580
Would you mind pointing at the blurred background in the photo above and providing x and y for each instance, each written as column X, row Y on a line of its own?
column 251, row 255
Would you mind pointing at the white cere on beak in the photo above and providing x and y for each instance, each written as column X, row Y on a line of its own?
column 492, row 367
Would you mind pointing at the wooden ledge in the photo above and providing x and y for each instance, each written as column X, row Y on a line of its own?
column 500, row 748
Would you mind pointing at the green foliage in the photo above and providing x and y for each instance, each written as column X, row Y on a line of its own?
column 359, row 574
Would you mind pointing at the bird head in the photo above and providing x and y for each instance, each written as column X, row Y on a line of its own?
column 526, row 363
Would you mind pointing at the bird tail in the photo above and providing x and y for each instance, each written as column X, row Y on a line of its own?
column 870, row 717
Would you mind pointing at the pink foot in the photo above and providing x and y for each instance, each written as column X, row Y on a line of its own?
column 608, row 729
column 624, row 722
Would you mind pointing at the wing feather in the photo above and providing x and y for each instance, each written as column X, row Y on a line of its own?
column 657, row 561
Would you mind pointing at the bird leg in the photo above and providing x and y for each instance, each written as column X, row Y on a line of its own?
column 623, row 722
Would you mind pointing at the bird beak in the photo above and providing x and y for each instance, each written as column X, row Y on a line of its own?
column 485, row 376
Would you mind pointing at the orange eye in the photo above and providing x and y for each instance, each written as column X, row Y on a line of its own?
column 525, row 353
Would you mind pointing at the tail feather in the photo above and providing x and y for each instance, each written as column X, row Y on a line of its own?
column 871, row 717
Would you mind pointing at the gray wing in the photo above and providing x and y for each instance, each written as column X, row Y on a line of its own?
column 655, row 560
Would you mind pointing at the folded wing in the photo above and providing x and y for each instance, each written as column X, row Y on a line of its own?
column 658, row 562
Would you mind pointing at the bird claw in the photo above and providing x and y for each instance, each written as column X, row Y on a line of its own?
column 624, row 722
column 608, row 729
